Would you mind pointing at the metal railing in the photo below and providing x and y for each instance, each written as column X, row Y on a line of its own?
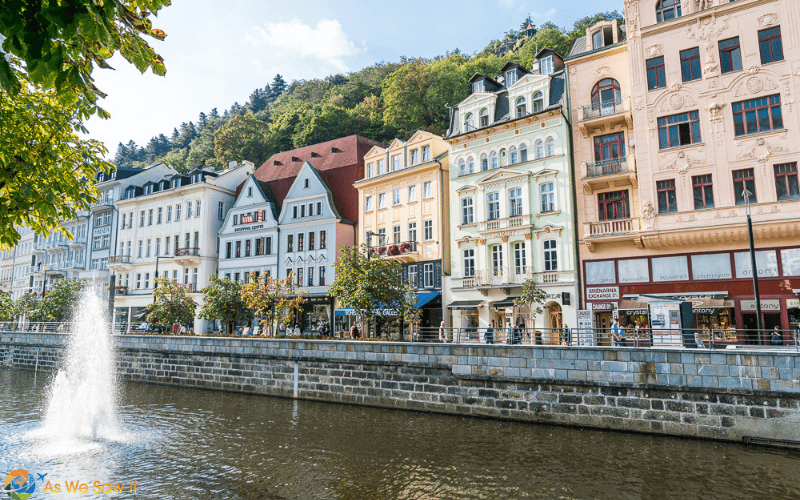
column 187, row 252
column 119, row 259
column 607, row 167
column 192, row 287
column 605, row 108
column 395, row 249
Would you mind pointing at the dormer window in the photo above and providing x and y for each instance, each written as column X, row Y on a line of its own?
column 546, row 65
column 469, row 123
column 597, row 39
column 484, row 118
column 477, row 86
column 414, row 156
column 511, row 78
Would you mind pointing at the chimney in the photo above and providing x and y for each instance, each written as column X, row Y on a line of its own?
column 247, row 163
column 232, row 164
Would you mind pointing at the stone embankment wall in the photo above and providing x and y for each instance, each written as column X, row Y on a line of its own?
column 721, row 395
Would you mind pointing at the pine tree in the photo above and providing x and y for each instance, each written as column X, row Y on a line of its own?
column 278, row 87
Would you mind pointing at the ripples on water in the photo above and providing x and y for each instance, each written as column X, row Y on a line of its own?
column 185, row 443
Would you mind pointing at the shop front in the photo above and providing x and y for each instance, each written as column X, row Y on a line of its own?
column 317, row 311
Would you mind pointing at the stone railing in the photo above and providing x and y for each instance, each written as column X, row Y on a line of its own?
column 511, row 222
column 611, row 227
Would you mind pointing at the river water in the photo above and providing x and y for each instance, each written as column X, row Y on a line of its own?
column 186, row 443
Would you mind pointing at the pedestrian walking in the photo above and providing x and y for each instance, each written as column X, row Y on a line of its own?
column 617, row 334
column 489, row 336
column 442, row 333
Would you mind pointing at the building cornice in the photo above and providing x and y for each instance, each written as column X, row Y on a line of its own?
column 695, row 17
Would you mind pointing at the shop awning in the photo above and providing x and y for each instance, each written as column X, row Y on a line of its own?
column 465, row 304
column 632, row 305
column 424, row 298
column 690, row 296
column 502, row 304
column 705, row 305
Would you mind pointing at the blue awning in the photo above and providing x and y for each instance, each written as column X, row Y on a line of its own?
column 424, row 298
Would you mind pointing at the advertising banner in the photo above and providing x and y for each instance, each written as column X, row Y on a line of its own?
column 586, row 328
column 665, row 321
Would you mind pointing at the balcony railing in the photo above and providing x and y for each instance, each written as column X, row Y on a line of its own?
column 605, row 108
column 119, row 259
column 515, row 276
column 611, row 227
column 607, row 167
column 511, row 222
column 121, row 290
column 395, row 249
column 78, row 241
column 187, row 252
column 191, row 287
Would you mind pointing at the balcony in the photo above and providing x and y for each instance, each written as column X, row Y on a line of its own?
column 597, row 116
column 520, row 221
column 120, row 263
column 610, row 227
column 506, row 277
column 78, row 242
column 188, row 255
column 120, row 290
column 406, row 251
column 611, row 173
column 189, row 287
column 70, row 265
column 100, row 204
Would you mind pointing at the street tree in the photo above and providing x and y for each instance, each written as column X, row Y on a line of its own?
column 223, row 301
column 533, row 298
column 59, row 303
column 369, row 285
column 172, row 304
column 26, row 307
column 6, row 307
column 273, row 300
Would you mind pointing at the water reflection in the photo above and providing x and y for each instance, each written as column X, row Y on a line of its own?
column 184, row 443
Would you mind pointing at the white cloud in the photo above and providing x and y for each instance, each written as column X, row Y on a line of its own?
column 326, row 42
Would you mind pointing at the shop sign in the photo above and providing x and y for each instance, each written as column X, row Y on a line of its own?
column 99, row 231
column 602, row 293
column 249, row 228
column 509, row 311
column 552, row 296
column 615, row 315
column 585, row 327
column 730, row 303
column 602, row 306
column 766, row 305
column 792, row 303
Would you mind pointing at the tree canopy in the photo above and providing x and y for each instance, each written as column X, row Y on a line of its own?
column 172, row 304
column 59, row 303
column 273, row 299
column 223, row 301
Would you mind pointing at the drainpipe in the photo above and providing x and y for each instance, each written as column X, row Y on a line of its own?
column 576, row 253
column 444, row 241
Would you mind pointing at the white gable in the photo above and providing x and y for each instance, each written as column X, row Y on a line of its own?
column 250, row 194
column 309, row 199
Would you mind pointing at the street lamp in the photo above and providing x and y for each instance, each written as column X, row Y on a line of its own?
column 44, row 279
column 753, row 267
column 155, row 278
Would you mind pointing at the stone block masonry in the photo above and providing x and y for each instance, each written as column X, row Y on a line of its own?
column 721, row 395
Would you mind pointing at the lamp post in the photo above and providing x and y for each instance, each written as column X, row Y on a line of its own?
column 753, row 267
column 155, row 278
column 44, row 279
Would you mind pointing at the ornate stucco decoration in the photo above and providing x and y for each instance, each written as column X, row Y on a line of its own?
column 707, row 31
column 754, row 85
column 602, row 71
column 690, row 217
column 681, row 164
column 654, row 50
column 727, row 214
column 715, row 112
column 648, row 214
column 768, row 19
column 762, row 210
column 703, row 4
column 761, row 151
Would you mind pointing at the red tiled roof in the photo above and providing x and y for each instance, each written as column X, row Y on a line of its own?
column 339, row 169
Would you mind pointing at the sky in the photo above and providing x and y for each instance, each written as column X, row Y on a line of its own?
column 218, row 52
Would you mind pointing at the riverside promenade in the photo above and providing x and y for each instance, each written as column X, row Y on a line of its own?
column 731, row 395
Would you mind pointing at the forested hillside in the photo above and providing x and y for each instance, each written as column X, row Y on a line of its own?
column 381, row 102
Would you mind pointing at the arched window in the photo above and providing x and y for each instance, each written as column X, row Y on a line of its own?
column 606, row 96
column 549, row 147
column 462, row 167
column 539, row 147
column 470, row 165
column 521, row 108
column 484, row 118
column 538, row 102
column 484, row 162
column 667, row 10
column 469, row 123
column 523, row 153
column 493, row 162
column 512, row 155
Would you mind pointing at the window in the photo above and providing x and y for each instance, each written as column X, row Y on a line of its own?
column 548, row 195
column 196, row 240
column 368, row 204
column 178, row 211
column 757, row 115
column 381, row 200
column 497, row 260
column 268, row 250
column 469, row 123
column 523, row 153
column 511, row 78
column 539, row 147
column 371, row 170
column 427, row 191
column 138, row 281
column 395, row 162
column 412, row 275
column 466, row 211
column 513, row 155
column 519, row 258
column 305, row 183
column 302, row 210
column 606, row 96
column 247, row 249
column 158, row 246
column 412, row 232
column 667, row 201
column 666, row 10
column 321, row 276
column 427, row 227
column 414, row 156
column 484, row 162
column 679, row 130
column 613, row 205
column 189, row 210
column 493, row 160
column 228, row 249
column 597, row 39
column 300, row 238
column 786, row 181
column 690, row 65
column 521, row 107
column 166, row 246
column 550, row 146
column 538, row 102
column 770, row 45
column 396, row 235
column 310, row 276
column 515, row 202
column 300, row 276
column 412, row 193
column 381, row 167
column 238, row 249
column 550, row 255
column 744, row 180
column 656, row 77
column 322, row 239
column 477, row 86
column 470, row 165
column 546, row 65
column 290, row 243
column 396, row 197
column 607, row 148
column 148, row 247
column 730, row 55
column 186, row 276
column 469, row 263
column 311, row 240
column 427, row 275
column 483, row 120
column 294, row 213
column 141, row 219
column 462, row 167
column 703, row 193
column 426, row 153
column 236, row 220
column 319, row 208
column 169, row 213
column 493, row 205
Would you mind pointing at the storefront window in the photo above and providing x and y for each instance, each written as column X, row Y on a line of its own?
column 766, row 262
column 633, row 271
column 599, row 273
column 790, row 259
column 670, row 269
column 716, row 322
column 469, row 324
column 711, row 267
